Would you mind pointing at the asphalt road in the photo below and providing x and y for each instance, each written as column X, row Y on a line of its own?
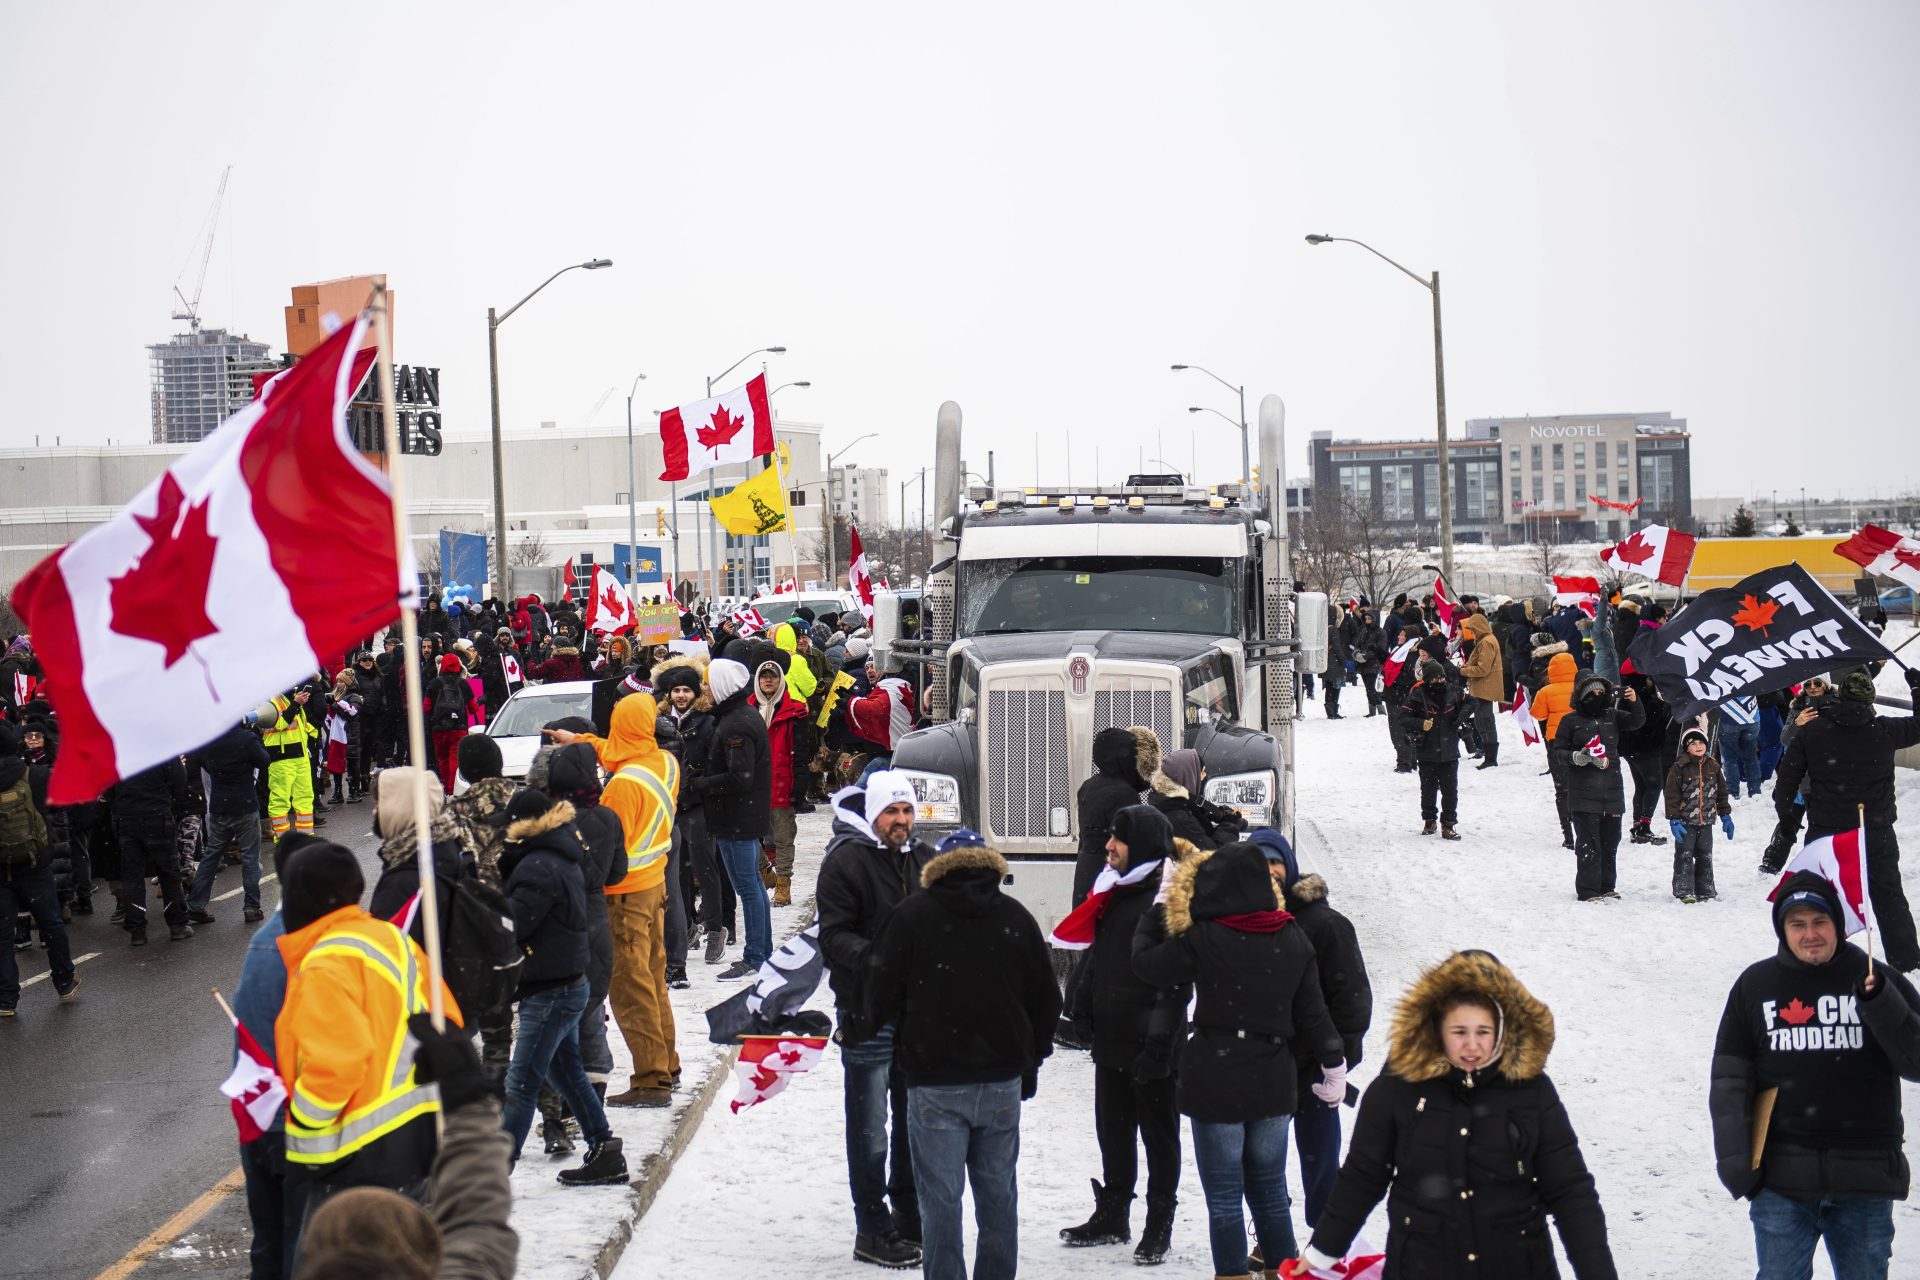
column 112, row 1117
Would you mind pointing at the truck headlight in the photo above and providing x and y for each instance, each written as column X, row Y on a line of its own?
column 1251, row 795
column 936, row 796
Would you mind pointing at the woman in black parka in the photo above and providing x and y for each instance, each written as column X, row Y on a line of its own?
column 1468, row 1141
column 1257, row 995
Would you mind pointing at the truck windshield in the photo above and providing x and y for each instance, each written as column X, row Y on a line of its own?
column 1107, row 593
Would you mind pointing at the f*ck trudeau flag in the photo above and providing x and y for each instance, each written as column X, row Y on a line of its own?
column 1769, row 631
column 266, row 545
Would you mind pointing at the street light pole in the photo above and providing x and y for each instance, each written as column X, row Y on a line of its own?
column 833, row 578
column 719, row 559
column 1246, row 453
column 633, row 532
column 500, row 586
column 1432, row 286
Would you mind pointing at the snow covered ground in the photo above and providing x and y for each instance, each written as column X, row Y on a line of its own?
column 1636, row 987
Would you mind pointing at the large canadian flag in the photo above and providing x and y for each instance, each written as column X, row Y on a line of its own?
column 268, row 544
column 1884, row 552
column 1655, row 551
column 859, row 575
column 735, row 426
column 608, row 609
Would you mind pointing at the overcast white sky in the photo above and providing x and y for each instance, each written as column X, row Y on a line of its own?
column 1032, row 209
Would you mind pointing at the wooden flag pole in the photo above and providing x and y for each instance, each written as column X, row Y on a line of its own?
column 1863, row 875
column 224, row 1006
column 410, row 644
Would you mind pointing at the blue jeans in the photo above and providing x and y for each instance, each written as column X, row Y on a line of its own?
column 1859, row 1236
column 741, row 858
column 1245, row 1162
column 873, row 1081
column 1740, row 756
column 548, row 1042
column 244, row 828
column 967, row 1134
column 1316, row 1136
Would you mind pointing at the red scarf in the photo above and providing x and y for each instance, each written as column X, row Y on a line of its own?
column 1257, row 921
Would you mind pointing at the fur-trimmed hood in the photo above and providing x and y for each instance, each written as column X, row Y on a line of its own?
column 965, row 881
column 1548, row 650
column 526, row 828
column 1166, row 786
column 1310, row 889
column 564, row 651
column 974, row 857
column 1524, row 1026
column 683, row 669
column 1146, row 750
column 1219, row 893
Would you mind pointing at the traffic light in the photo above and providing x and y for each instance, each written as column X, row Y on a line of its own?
column 660, row 521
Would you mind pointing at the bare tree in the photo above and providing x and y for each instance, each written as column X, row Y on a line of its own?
column 530, row 552
column 11, row 623
column 1378, row 560
column 837, row 534
column 1318, row 553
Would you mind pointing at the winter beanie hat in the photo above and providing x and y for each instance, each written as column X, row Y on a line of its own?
column 962, row 838
column 1857, row 687
column 857, row 647
column 449, row 665
column 1432, row 671
column 726, row 678
column 528, row 802
column 1277, row 849
column 1690, row 737
column 885, row 788
column 479, row 757
column 320, row 879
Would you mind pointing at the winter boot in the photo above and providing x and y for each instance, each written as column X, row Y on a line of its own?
column 677, row 976
column 1108, row 1225
column 1447, row 832
column 906, row 1223
column 1775, row 858
column 716, row 946
column 337, row 798
column 605, row 1165
column 1491, row 757
column 783, row 891
column 1427, row 828
column 553, row 1123
column 1157, row 1236
column 179, row 932
column 886, row 1249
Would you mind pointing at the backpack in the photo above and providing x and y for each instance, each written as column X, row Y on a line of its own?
column 22, row 831
column 479, row 957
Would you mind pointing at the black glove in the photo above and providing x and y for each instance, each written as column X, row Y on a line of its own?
column 1153, row 1063
column 1029, row 1084
column 448, row 1057
column 1913, row 679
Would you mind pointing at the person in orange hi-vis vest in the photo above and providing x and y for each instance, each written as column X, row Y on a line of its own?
column 356, row 1114
column 643, row 782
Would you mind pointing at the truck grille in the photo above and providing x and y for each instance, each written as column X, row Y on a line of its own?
column 1027, row 776
column 1122, row 702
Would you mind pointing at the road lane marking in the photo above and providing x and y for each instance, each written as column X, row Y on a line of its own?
column 77, row 961
column 265, row 880
column 173, row 1227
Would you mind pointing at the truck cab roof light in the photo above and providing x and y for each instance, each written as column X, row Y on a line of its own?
column 989, row 506
column 1216, row 504
column 1194, row 495
column 1100, row 503
column 1066, row 504
column 1136, row 503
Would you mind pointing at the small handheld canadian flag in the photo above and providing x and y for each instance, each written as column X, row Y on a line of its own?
column 767, row 1064
column 254, row 1085
column 510, row 670
column 1523, row 716
column 1596, row 748
column 608, row 609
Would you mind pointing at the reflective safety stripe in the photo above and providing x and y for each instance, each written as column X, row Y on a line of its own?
column 348, row 942
column 305, row 1147
column 652, row 844
column 312, row 1112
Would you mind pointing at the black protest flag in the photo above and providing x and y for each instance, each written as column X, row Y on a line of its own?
column 1771, row 630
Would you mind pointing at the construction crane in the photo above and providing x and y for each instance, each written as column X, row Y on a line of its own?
column 191, row 307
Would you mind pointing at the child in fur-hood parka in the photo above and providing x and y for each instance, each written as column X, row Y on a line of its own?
column 1468, row 1141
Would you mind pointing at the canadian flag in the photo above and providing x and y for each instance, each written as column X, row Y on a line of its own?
column 859, row 576
column 1884, row 552
column 1075, row 930
column 1839, row 859
column 1390, row 669
column 1584, row 592
column 1655, row 551
column 510, row 669
column 767, row 1064
column 1443, row 606
column 608, row 609
column 787, row 587
column 749, row 621
column 254, row 1085
column 1596, row 748
column 266, row 545
column 1522, row 713
column 736, row 426
column 1363, row 1262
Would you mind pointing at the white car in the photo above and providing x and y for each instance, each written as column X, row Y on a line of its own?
column 777, row 609
column 517, row 727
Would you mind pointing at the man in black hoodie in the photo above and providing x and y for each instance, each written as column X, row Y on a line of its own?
column 1841, row 763
column 735, row 786
column 232, row 762
column 1834, row 1036
column 962, row 972
column 872, row 865
column 1117, row 781
column 1590, row 735
column 144, row 809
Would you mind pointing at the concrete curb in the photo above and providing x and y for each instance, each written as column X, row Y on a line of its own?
column 659, row 1163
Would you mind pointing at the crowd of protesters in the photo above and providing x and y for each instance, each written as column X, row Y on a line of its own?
column 1215, row 979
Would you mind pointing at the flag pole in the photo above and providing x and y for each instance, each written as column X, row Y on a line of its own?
column 410, row 644
column 793, row 541
column 1862, row 811
column 224, row 1006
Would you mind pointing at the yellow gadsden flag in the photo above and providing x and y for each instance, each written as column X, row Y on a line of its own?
column 755, row 506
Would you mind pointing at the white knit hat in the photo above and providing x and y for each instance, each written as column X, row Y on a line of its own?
column 726, row 678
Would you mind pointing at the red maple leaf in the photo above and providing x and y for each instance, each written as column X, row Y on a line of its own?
column 1756, row 615
column 724, row 427
column 610, row 601
column 1795, row 1012
column 1907, row 556
column 1635, row 550
column 163, row 597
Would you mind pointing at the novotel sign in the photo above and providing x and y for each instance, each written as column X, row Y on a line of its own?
column 1558, row 433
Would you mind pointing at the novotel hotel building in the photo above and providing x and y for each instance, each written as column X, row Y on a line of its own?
column 1520, row 479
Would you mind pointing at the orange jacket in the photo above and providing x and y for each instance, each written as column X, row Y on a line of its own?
column 341, row 1037
column 1556, row 696
column 643, row 783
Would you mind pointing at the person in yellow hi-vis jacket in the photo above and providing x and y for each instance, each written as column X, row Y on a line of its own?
column 356, row 1114
column 643, row 783
column 290, row 776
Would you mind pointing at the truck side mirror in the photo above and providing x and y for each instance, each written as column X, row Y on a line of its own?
column 886, row 631
column 1310, row 631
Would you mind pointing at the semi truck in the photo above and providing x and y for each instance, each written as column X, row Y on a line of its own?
column 1050, row 614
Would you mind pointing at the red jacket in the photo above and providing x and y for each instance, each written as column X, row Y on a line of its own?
column 780, row 744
